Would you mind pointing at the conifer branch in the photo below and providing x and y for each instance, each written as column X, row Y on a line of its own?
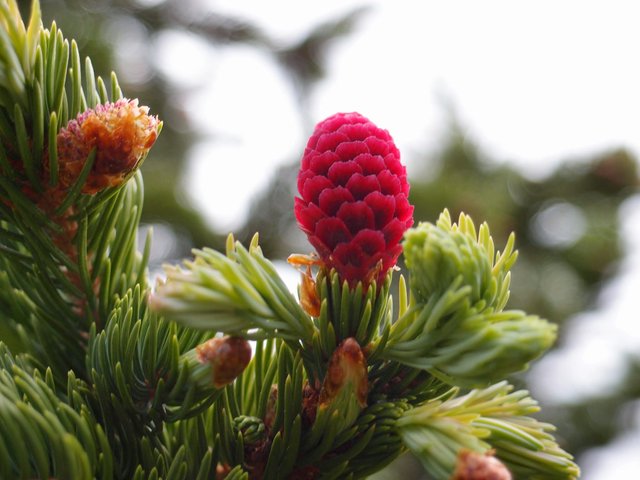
column 239, row 293
column 103, row 376
column 492, row 418
column 47, row 433
column 453, row 324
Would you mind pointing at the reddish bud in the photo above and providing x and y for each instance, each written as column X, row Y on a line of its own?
column 310, row 399
column 347, row 373
column 353, row 202
column 227, row 356
column 480, row 466
column 222, row 470
column 270, row 413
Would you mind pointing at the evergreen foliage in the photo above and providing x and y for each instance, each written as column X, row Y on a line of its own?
column 101, row 377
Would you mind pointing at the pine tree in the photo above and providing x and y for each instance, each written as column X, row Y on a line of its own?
column 218, row 370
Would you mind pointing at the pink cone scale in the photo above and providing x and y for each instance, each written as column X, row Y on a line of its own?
column 353, row 202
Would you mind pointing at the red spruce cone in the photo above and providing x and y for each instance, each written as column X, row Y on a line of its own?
column 353, row 202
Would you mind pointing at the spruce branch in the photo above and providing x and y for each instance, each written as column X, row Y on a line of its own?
column 436, row 255
column 239, row 293
column 52, row 233
column 453, row 324
column 45, row 432
column 492, row 418
column 345, row 312
column 150, row 384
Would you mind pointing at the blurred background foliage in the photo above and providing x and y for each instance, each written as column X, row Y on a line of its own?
column 567, row 224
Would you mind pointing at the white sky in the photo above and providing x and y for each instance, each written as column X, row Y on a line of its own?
column 533, row 82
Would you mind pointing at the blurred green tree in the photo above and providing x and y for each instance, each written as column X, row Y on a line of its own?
column 566, row 224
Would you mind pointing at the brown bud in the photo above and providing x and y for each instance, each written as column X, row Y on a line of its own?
column 222, row 470
column 270, row 414
column 310, row 399
column 346, row 366
column 228, row 357
column 480, row 466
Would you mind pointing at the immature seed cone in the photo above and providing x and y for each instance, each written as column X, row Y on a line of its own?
column 353, row 202
column 121, row 132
